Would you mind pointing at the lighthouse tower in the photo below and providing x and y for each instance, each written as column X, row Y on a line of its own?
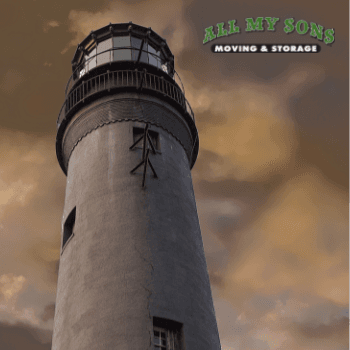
column 132, row 272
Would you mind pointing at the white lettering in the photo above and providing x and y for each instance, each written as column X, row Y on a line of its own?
column 219, row 48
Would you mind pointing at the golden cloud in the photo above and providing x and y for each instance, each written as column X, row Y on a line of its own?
column 30, row 221
column 258, row 138
column 50, row 24
column 11, row 285
column 291, row 245
column 161, row 16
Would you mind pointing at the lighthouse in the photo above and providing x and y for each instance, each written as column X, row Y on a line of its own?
column 132, row 272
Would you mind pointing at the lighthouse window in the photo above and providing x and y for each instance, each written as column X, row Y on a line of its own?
column 136, row 44
column 159, row 338
column 68, row 228
column 121, row 41
column 102, row 56
column 167, row 334
column 121, row 54
column 91, row 59
column 153, row 56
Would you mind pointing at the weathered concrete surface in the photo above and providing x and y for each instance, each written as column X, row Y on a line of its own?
column 136, row 253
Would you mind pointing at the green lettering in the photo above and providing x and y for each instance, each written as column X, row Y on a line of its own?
column 271, row 22
column 209, row 35
column 289, row 28
column 254, row 26
column 298, row 27
column 329, row 36
column 316, row 31
column 233, row 29
column 221, row 30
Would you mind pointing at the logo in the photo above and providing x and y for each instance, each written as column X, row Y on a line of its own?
column 302, row 27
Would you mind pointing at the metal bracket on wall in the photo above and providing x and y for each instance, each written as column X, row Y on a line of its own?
column 145, row 154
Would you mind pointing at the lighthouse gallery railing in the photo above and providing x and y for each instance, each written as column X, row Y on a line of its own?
column 123, row 78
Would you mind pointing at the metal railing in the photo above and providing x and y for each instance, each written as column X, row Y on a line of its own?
column 123, row 78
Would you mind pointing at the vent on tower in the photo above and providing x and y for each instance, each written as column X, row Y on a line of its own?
column 167, row 334
column 68, row 228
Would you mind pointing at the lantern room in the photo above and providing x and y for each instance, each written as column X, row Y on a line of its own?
column 125, row 44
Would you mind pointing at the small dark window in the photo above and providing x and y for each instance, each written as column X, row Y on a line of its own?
column 68, row 228
column 139, row 132
column 167, row 334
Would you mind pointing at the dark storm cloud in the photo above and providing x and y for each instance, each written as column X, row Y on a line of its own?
column 323, row 124
column 49, row 312
column 21, row 336
column 215, row 278
column 254, row 193
column 318, row 330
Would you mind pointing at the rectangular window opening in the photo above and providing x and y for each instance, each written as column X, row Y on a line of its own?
column 167, row 334
column 154, row 136
column 68, row 228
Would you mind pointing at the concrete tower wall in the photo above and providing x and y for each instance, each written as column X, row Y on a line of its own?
column 136, row 253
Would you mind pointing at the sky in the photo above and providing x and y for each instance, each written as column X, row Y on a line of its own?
column 271, row 178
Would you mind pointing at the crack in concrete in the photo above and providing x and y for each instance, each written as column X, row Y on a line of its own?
column 149, row 295
column 149, row 315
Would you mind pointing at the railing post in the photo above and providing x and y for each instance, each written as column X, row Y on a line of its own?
column 162, row 78
column 143, row 77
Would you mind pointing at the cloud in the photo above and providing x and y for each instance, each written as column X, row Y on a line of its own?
column 10, row 285
column 285, row 278
column 15, row 294
column 31, row 202
column 294, row 323
column 162, row 16
column 22, row 336
column 285, row 246
column 255, row 137
column 50, row 24
column 339, row 327
column 49, row 312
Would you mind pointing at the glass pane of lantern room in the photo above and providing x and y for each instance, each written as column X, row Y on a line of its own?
column 91, row 60
column 152, row 56
column 103, row 46
column 121, row 41
column 121, row 54
column 136, row 43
